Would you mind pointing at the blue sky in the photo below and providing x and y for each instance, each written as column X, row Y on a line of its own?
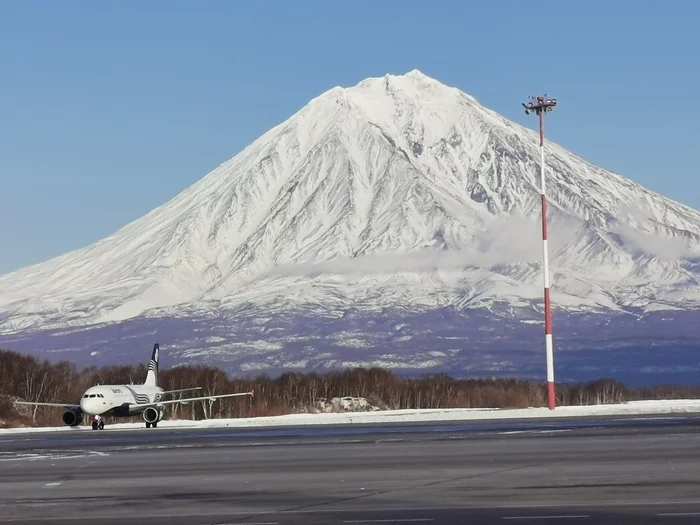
column 109, row 110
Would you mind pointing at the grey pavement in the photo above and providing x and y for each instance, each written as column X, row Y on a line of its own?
column 599, row 474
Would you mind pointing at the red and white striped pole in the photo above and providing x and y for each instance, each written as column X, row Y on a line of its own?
column 540, row 106
column 551, row 399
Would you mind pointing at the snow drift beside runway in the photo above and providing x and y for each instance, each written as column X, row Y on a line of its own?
column 641, row 408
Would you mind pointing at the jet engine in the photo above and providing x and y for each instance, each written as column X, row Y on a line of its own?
column 153, row 415
column 73, row 417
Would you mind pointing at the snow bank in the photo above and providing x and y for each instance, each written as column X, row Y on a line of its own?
column 344, row 404
column 641, row 408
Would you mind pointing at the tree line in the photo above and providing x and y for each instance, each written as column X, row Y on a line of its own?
column 24, row 377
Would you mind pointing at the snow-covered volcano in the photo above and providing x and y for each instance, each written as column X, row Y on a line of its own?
column 399, row 193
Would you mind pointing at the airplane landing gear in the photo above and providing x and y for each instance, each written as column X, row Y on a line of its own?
column 98, row 423
column 149, row 425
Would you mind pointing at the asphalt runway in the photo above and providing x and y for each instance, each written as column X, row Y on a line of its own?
column 611, row 471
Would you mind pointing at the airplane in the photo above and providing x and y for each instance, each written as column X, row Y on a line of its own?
column 127, row 400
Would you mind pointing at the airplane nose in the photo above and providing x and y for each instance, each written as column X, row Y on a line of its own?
column 89, row 406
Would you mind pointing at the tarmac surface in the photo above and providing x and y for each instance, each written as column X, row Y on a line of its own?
column 597, row 471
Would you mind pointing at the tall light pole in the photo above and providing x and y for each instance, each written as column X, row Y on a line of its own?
column 540, row 106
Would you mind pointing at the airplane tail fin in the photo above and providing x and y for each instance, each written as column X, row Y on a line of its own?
column 152, row 376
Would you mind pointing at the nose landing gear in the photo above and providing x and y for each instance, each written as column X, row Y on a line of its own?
column 98, row 423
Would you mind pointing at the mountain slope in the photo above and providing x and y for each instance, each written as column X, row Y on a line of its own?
column 399, row 192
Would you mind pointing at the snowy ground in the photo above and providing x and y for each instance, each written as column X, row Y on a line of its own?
column 641, row 408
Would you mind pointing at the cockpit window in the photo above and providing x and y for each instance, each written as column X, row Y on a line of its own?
column 93, row 395
column 85, row 396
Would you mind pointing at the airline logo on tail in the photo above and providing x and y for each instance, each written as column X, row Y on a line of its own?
column 153, row 365
column 152, row 375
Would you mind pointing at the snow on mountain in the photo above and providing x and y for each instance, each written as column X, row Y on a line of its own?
column 399, row 192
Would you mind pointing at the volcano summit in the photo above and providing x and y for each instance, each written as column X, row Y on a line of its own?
column 394, row 223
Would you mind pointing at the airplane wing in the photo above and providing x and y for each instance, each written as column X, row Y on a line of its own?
column 181, row 390
column 187, row 400
column 62, row 405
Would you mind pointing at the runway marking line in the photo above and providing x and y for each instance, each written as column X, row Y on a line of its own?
column 678, row 514
column 266, row 523
column 398, row 520
column 562, row 517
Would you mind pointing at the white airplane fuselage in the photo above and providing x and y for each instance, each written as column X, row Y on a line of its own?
column 119, row 400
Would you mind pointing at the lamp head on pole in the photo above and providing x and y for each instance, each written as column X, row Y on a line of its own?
column 539, row 104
